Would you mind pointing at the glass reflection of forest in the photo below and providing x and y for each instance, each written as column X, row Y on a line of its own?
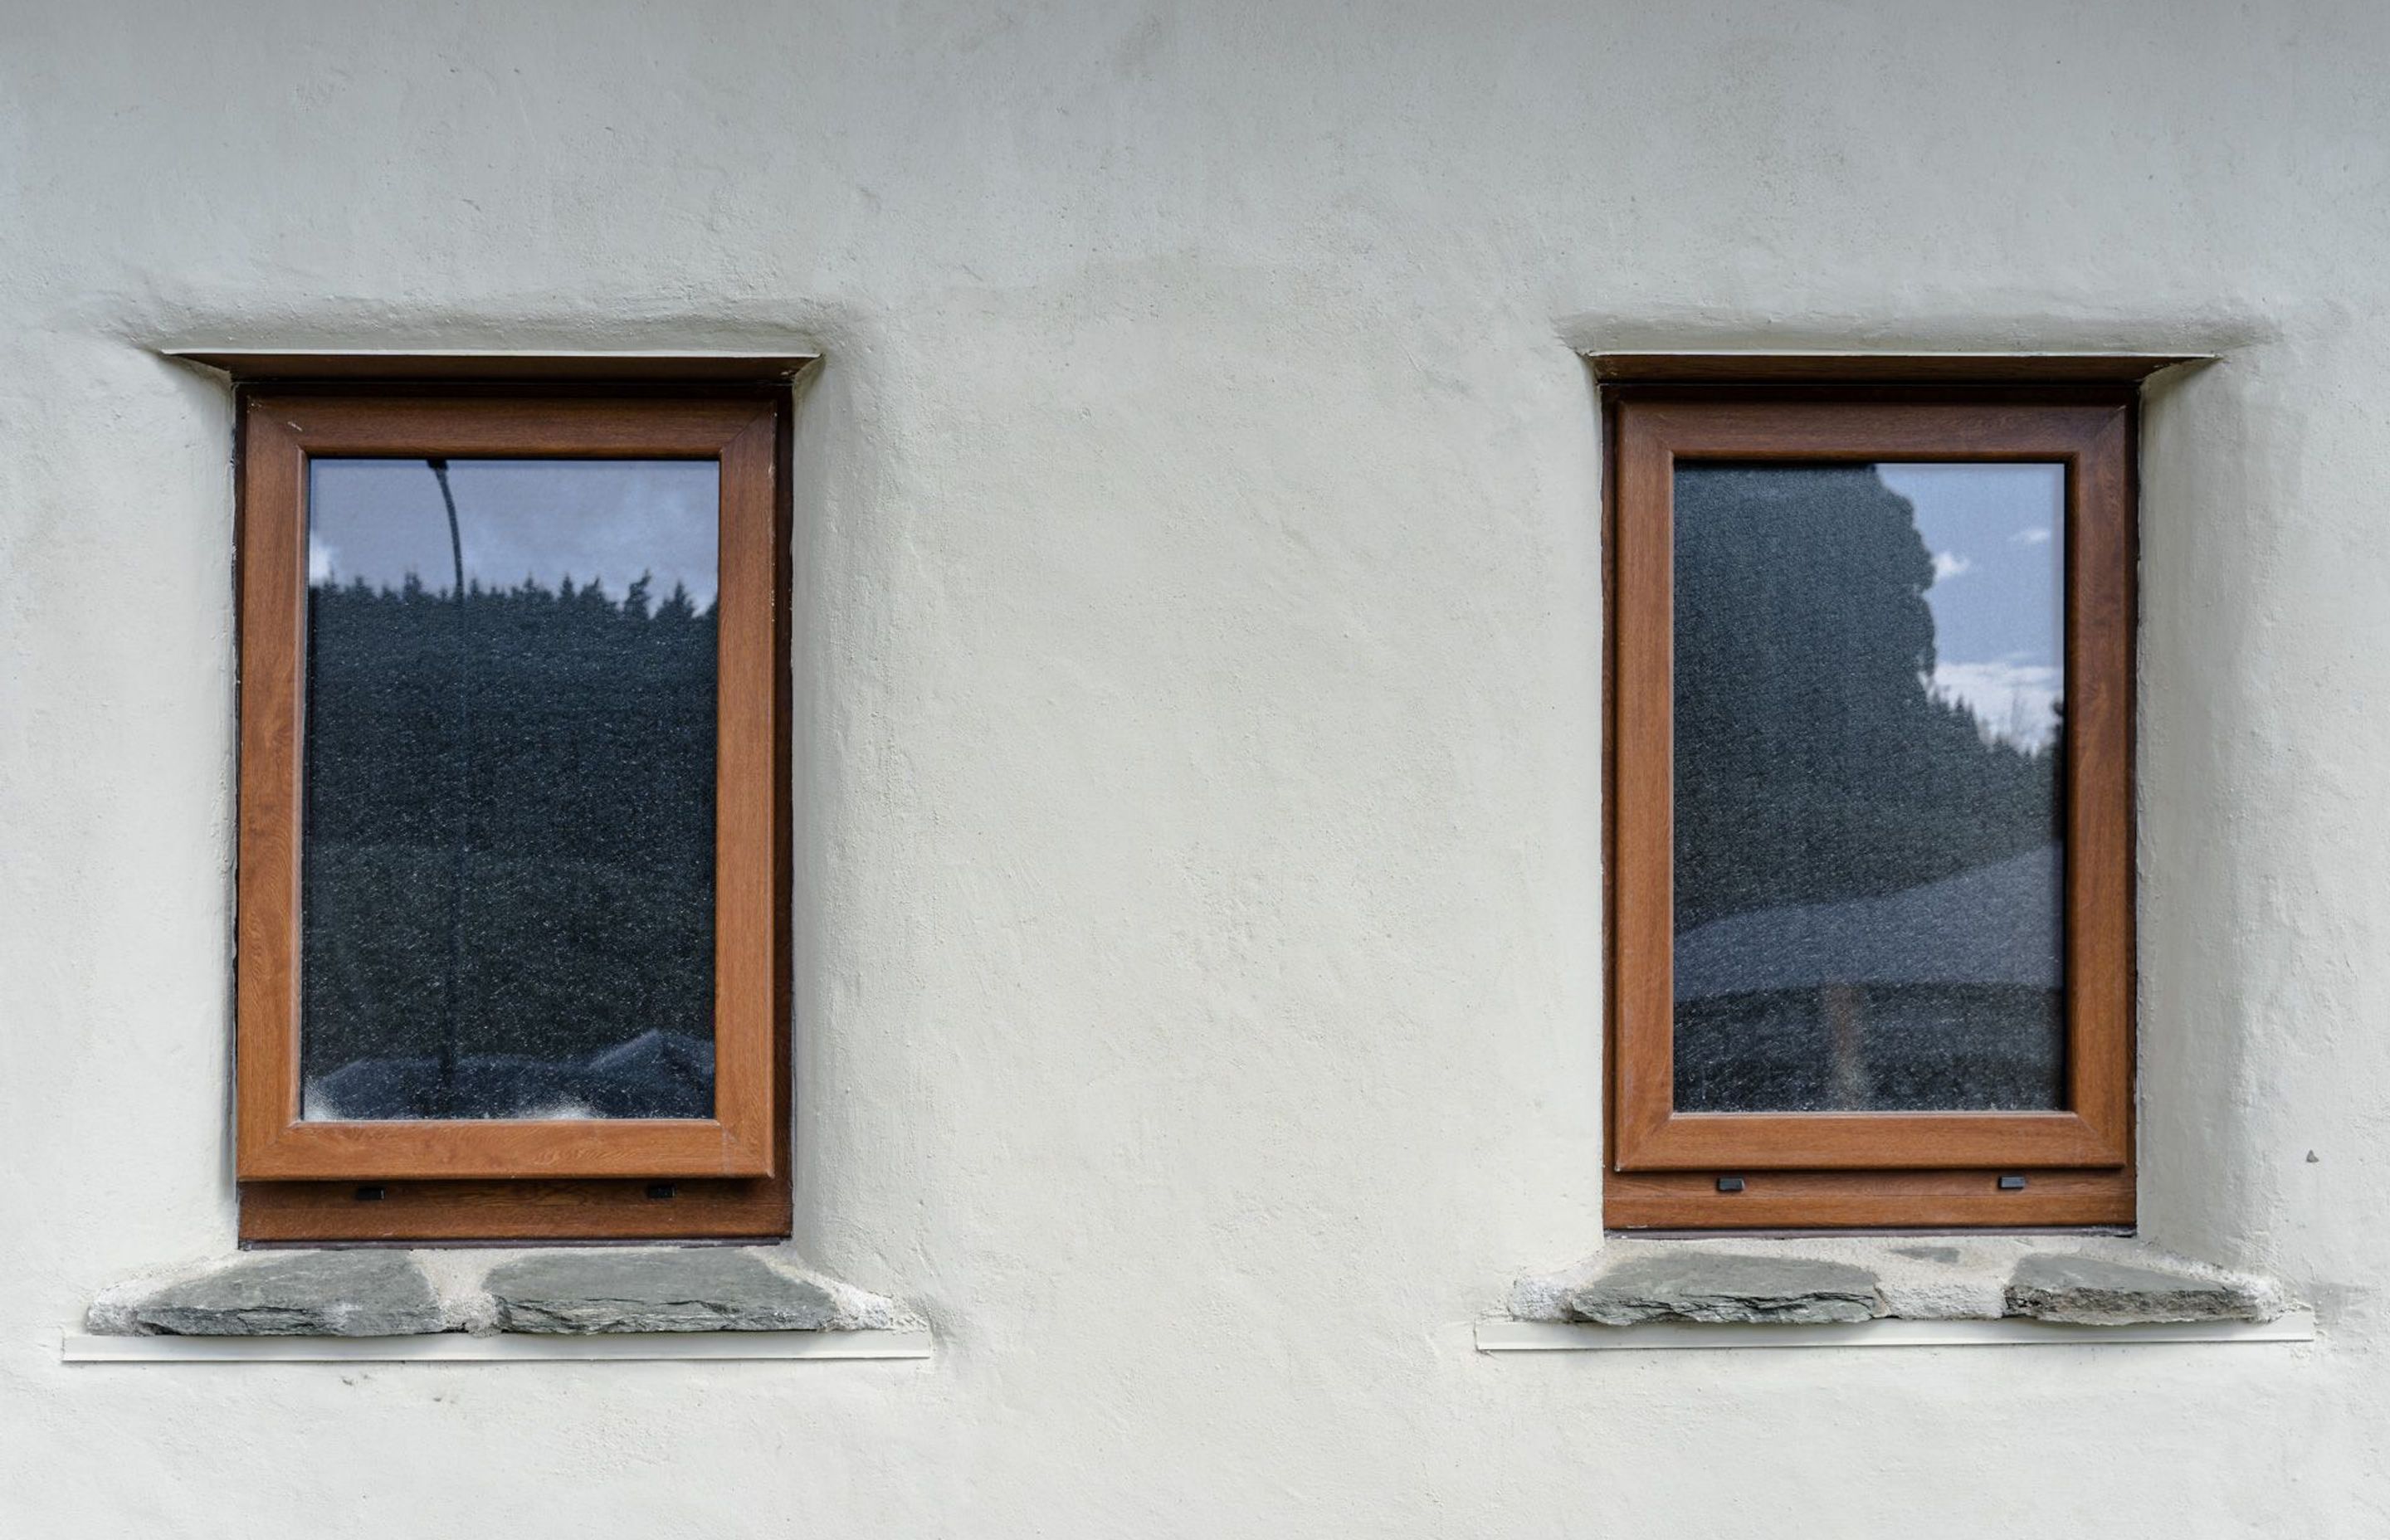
column 1867, row 876
column 563, row 740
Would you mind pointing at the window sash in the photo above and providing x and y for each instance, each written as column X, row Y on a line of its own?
column 1665, row 1163
column 281, row 432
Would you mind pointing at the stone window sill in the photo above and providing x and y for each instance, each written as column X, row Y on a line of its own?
column 694, row 1301
column 1880, row 1290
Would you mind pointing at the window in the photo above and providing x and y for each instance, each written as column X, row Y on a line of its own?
column 513, row 814
column 1871, row 836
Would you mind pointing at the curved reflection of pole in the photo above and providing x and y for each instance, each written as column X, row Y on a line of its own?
column 451, row 1001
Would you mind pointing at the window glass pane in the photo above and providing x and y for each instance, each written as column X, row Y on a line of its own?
column 508, row 889
column 1869, row 663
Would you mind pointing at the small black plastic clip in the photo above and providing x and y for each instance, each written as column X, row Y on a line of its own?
column 372, row 1195
column 2011, row 1184
column 1729, row 1183
column 660, row 1190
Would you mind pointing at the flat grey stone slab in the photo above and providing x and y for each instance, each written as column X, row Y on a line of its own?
column 304, row 1294
column 575, row 1291
column 2095, row 1291
column 693, row 1289
column 1684, row 1284
column 2088, row 1280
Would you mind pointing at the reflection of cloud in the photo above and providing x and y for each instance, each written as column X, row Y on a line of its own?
column 2038, row 536
column 1950, row 564
column 2012, row 703
column 323, row 560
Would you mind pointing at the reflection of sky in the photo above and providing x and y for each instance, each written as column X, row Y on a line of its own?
column 1996, row 534
column 544, row 519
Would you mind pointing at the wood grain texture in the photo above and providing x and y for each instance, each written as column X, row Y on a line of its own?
column 510, row 1177
column 526, row 1210
column 2100, row 619
column 1864, row 1199
column 1642, row 886
column 1660, row 1157
column 272, row 639
column 748, row 832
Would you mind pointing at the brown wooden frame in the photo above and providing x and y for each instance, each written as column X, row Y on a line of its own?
column 1873, row 1169
column 499, row 1179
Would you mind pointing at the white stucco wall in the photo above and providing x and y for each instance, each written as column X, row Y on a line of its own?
column 1198, row 972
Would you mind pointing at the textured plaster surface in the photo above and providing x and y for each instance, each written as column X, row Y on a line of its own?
column 1198, row 964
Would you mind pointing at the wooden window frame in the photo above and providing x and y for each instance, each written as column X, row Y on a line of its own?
column 721, row 1177
column 1673, row 1170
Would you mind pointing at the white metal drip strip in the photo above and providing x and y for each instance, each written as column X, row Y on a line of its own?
column 2292, row 1326
column 457, row 1347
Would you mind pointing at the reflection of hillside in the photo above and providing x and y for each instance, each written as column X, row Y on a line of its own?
column 578, row 778
column 1838, row 826
column 1993, row 925
column 1945, row 995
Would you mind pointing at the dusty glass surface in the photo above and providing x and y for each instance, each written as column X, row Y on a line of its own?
column 1868, row 670
column 508, row 868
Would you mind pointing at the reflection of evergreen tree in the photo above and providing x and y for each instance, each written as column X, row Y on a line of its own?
column 587, row 819
column 1813, row 762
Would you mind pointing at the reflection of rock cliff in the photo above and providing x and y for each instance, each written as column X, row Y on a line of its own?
column 1867, row 883
column 657, row 1074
